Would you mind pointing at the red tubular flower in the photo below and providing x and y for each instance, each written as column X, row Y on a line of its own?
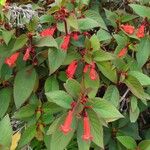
column 71, row 69
column 86, row 129
column 122, row 52
column 27, row 54
column 48, row 32
column 86, row 67
column 93, row 74
column 65, row 43
column 128, row 28
column 140, row 31
column 10, row 61
column 66, row 127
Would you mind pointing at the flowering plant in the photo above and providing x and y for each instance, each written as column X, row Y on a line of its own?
column 74, row 75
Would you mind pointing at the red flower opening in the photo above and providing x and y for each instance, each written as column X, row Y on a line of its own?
column 71, row 69
column 27, row 54
column 10, row 61
column 48, row 32
column 122, row 52
column 65, row 44
column 86, row 129
column 140, row 32
column 128, row 28
column 66, row 127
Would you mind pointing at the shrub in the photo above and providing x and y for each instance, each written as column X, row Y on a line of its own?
column 74, row 75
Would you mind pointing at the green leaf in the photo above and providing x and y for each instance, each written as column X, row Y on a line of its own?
column 56, row 58
column 51, row 108
column 94, row 14
column 92, row 85
column 60, row 98
column 5, row 132
column 127, row 141
column 96, row 128
column 73, row 88
column 24, row 84
column 108, row 71
column 112, row 95
column 25, row 112
column 2, row 2
column 5, row 99
column 54, row 126
column 101, row 55
column 20, row 42
column 143, row 52
column 7, row 35
column 142, row 78
column 27, row 136
column 112, row 17
column 134, row 109
column 135, row 86
column 71, row 55
column 105, row 109
column 73, row 22
column 86, row 2
column 134, row 115
column 134, row 103
column 51, row 84
column 144, row 145
column 127, row 17
column 103, row 35
column 46, row 18
column 142, row 11
column 87, row 23
column 95, row 42
column 59, row 141
column 46, row 41
column 82, row 145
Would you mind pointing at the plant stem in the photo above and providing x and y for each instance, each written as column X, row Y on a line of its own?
column 66, row 29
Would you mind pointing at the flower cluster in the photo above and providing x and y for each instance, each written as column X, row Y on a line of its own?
column 140, row 32
column 66, row 126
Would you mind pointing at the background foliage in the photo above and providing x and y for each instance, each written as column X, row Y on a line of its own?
column 74, row 75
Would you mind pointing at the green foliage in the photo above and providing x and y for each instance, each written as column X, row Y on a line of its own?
column 74, row 75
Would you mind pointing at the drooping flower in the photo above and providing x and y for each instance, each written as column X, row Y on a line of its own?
column 10, row 61
column 140, row 32
column 48, row 32
column 93, row 74
column 66, row 127
column 27, row 54
column 86, row 67
column 122, row 52
column 71, row 69
column 128, row 28
column 86, row 129
column 65, row 44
